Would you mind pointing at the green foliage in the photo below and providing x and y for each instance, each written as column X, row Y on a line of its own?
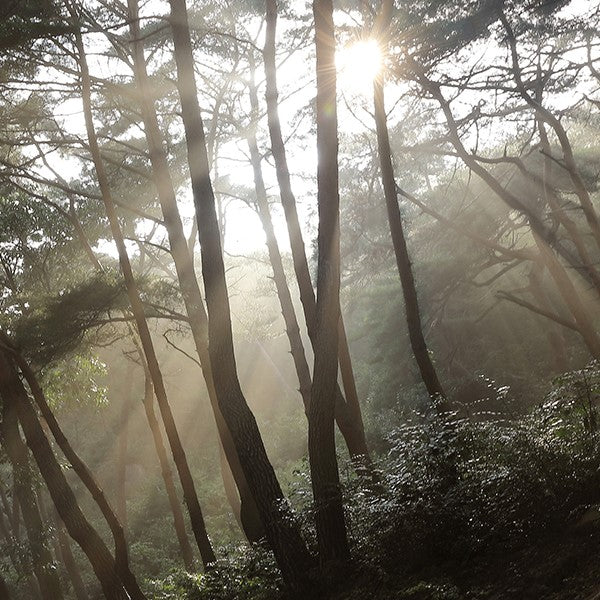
column 458, row 489
column 241, row 573
column 57, row 325
column 76, row 378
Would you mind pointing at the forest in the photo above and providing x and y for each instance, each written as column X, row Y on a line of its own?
column 300, row 299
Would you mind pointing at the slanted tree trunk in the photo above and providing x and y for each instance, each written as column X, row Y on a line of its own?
column 167, row 475
column 123, row 446
column 250, row 519
column 16, row 403
column 348, row 414
column 283, row 291
column 16, row 450
column 329, row 511
column 179, row 457
column 69, row 562
column 281, row 527
column 186, row 550
column 5, row 532
column 86, row 477
column 403, row 263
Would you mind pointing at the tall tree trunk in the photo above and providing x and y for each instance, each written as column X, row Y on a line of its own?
column 179, row 457
column 165, row 469
column 69, row 562
column 281, row 527
column 409, row 289
column 329, row 510
column 348, row 413
column 16, row 403
column 123, row 446
column 25, row 573
column 283, row 291
column 86, row 477
column 186, row 550
column 188, row 282
column 16, row 450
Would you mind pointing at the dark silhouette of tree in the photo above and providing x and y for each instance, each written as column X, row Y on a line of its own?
column 329, row 511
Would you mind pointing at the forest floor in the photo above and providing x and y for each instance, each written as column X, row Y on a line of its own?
column 562, row 566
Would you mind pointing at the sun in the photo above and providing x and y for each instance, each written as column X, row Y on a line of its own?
column 357, row 65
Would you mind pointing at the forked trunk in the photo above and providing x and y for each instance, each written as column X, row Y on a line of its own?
column 347, row 412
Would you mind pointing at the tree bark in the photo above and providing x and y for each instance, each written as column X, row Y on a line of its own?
column 279, row 278
column 69, row 562
column 403, row 263
column 188, row 282
column 167, row 475
column 123, row 446
column 329, row 511
column 86, row 477
column 348, row 413
column 281, row 527
column 179, row 457
column 16, row 450
column 16, row 403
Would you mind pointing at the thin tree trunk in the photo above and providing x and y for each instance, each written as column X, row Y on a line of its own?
column 186, row 550
column 5, row 531
column 179, row 457
column 165, row 469
column 16, row 450
column 123, row 443
column 329, row 511
column 16, row 403
column 283, row 291
column 403, row 263
column 69, row 562
column 251, row 523
column 281, row 527
column 87, row 478
column 347, row 408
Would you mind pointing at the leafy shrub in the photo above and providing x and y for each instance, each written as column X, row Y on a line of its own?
column 458, row 488
column 241, row 573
